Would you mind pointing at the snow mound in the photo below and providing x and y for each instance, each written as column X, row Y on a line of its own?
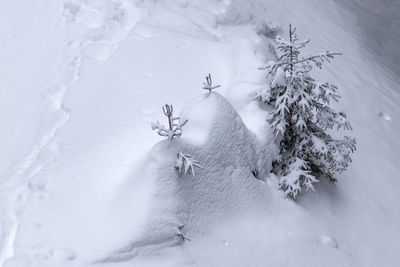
column 185, row 207
column 201, row 112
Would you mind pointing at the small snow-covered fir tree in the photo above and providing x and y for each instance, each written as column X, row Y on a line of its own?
column 174, row 129
column 302, row 118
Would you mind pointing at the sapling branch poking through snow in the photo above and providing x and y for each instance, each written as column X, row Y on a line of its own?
column 185, row 164
column 168, row 112
column 208, row 84
column 174, row 130
column 181, row 236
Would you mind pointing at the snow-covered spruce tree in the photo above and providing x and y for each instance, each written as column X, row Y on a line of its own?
column 174, row 129
column 302, row 118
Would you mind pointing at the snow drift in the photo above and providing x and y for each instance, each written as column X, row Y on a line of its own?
column 224, row 188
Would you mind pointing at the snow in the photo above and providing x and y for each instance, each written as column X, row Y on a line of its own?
column 329, row 241
column 84, row 179
column 198, row 203
column 200, row 114
column 221, row 191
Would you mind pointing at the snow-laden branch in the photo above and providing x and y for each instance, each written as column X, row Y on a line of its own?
column 185, row 164
column 174, row 130
column 318, row 59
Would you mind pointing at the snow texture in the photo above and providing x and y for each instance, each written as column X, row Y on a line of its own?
column 81, row 182
column 221, row 190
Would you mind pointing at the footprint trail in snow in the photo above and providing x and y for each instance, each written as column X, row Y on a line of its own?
column 95, row 29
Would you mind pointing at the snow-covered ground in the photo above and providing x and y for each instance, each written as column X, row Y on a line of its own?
column 84, row 181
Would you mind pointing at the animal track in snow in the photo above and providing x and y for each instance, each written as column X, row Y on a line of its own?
column 99, row 26
column 184, row 45
column 385, row 116
column 145, row 31
column 329, row 241
column 52, row 253
column 94, row 28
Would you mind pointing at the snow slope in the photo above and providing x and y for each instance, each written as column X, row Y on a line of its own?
column 83, row 79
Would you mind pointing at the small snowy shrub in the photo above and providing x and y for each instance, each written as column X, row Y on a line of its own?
column 180, row 234
column 207, row 85
column 302, row 118
column 174, row 130
column 185, row 164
